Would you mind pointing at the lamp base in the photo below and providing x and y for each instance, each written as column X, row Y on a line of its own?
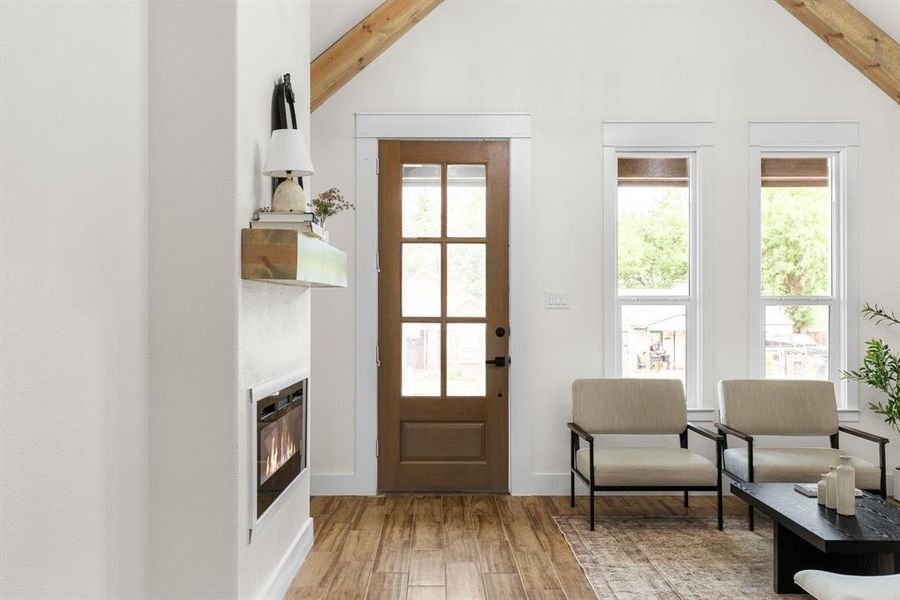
column 289, row 197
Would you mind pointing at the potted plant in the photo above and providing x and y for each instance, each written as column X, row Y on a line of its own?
column 881, row 370
column 329, row 203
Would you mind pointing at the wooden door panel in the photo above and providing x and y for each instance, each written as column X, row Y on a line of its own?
column 442, row 414
column 442, row 441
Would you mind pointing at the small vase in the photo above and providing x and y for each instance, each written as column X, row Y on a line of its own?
column 821, row 492
column 897, row 484
column 846, row 488
column 831, row 488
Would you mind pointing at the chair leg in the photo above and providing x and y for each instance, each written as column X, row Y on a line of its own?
column 719, row 505
column 685, row 498
column 750, row 517
column 592, row 508
column 572, row 501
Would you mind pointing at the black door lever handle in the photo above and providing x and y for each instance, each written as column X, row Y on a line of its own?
column 499, row 361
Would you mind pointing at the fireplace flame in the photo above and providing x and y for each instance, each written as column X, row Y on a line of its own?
column 281, row 449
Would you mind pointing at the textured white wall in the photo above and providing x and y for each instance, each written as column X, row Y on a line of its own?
column 274, row 321
column 73, row 300
column 213, row 68
column 573, row 65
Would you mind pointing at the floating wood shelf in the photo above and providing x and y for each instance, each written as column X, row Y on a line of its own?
column 291, row 257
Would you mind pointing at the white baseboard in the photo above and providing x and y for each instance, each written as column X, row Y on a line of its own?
column 339, row 484
column 287, row 568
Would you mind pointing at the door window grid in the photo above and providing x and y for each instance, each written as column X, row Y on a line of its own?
column 452, row 280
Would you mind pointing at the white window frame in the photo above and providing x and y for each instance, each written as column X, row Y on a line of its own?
column 692, row 140
column 837, row 141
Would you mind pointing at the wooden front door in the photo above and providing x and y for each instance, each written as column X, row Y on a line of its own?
column 443, row 303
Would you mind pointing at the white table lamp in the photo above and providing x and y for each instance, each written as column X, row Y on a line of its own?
column 288, row 157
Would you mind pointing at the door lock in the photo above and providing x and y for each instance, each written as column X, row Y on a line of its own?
column 499, row 361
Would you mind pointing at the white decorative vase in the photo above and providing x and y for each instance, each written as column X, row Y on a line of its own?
column 822, row 490
column 896, row 482
column 831, row 488
column 846, row 488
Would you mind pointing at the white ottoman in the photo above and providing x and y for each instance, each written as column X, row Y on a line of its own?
column 831, row 586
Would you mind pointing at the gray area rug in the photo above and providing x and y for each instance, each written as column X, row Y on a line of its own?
column 670, row 558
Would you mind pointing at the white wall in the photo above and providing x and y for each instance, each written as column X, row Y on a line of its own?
column 193, row 300
column 213, row 335
column 574, row 65
column 273, row 321
column 131, row 145
column 73, row 300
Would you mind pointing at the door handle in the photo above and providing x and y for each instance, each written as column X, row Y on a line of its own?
column 499, row 361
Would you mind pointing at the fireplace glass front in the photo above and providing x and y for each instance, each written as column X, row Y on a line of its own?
column 281, row 442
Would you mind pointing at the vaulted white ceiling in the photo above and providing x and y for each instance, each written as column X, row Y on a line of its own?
column 884, row 13
column 333, row 18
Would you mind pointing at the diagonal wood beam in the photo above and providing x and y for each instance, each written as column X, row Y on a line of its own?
column 363, row 44
column 853, row 36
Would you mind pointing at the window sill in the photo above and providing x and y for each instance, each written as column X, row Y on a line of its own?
column 848, row 415
column 702, row 415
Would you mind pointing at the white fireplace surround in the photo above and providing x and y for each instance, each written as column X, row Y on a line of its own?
column 256, row 394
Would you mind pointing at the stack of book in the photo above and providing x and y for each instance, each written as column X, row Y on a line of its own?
column 308, row 223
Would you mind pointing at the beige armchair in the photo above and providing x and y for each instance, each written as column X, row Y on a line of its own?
column 753, row 407
column 638, row 406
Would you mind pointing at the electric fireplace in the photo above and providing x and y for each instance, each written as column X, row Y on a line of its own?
column 281, row 426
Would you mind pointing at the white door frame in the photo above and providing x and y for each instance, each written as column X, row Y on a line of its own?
column 371, row 127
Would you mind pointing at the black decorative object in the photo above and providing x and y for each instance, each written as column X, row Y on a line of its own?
column 282, row 101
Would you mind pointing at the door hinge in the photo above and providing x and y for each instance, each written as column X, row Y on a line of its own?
column 377, row 448
column 377, row 356
column 377, row 165
column 377, row 262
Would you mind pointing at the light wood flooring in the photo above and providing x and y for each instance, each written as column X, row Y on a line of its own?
column 458, row 546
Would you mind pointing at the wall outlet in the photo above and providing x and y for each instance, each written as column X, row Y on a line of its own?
column 556, row 300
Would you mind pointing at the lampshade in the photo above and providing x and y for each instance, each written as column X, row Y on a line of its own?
column 287, row 152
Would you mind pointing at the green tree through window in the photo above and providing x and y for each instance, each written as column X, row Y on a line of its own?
column 653, row 244
column 796, row 249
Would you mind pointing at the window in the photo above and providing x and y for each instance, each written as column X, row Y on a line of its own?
column 796, row 257
column 653, row 268
column 799, row 301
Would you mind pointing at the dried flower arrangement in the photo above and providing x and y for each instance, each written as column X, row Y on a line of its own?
column 329, row 203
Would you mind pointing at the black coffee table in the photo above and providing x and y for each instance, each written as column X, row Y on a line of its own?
column 809, row 536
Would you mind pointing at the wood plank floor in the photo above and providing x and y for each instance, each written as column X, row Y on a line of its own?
column 458, row 546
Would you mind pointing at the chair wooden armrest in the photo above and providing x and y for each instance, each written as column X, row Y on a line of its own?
column 864, row 434
column 581, row 432
column 707, row 433
column 735, row 432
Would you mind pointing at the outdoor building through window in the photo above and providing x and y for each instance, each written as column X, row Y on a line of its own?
column 654, row 298
column 799, row 310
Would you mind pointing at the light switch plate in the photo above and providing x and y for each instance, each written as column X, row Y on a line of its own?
column 556, row 300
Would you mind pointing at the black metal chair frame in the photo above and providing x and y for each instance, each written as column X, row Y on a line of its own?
column 726, row 430
column 577, row 434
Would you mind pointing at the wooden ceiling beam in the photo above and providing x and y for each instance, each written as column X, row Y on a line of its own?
column 862, row 43
column 361, row 45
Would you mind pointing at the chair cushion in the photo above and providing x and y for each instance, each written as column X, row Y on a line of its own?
column 629, row 405
column 647, row 467
column 778, row 407
column 797, row 465
column 832, row 586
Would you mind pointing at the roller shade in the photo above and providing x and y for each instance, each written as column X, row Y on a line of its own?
column 794, row 172
column 668, row 172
